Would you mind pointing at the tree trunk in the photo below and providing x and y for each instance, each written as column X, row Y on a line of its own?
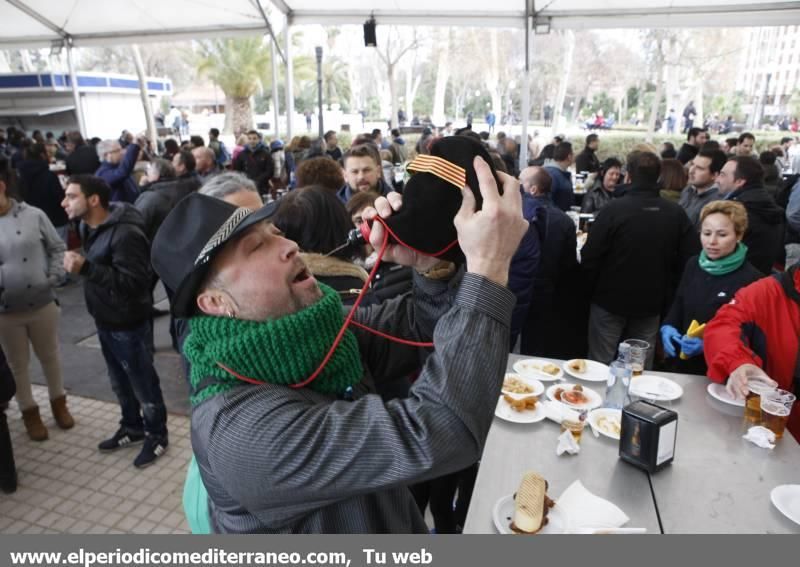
column 412, row 86
column 241, row 114
column 442, row 77
column 492, row 77
column 562, row 84
column 651, row 122
column 393, row 96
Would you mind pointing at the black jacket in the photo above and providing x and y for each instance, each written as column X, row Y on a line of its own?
column 256, row 164
column 765, row 227
column 41, row 189
column 83, row 160
column 636, row 251
column 699, row 296
column 687, row 153
column 587, row 161
column 156, row 202
column 117, row 269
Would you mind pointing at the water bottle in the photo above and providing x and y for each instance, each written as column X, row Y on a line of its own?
column 619, row 379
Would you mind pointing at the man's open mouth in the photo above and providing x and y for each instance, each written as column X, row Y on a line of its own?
column 302, row 276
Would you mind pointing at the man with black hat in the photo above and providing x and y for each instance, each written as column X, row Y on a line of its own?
column 283, row 448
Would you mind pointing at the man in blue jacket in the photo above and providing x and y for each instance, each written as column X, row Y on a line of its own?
column 116, row 168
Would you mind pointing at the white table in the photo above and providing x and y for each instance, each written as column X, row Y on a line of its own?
column 512, row 449
column 718, row 482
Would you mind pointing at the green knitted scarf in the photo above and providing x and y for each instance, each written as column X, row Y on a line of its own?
column 284, row 351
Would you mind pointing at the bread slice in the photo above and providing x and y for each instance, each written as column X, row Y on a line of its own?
column 578, row 365
column 529, row 504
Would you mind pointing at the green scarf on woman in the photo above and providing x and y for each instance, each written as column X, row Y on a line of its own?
column 725, row 265
column 284, row 351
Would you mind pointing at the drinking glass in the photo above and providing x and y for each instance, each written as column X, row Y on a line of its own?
column 757, row 385
column 638, row 354
column 776, row 405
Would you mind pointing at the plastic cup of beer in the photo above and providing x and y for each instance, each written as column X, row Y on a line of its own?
column 574, row 421
column 638, row 354
column 752, row 402
column 776, row 406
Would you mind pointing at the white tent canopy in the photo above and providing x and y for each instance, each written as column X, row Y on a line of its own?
column 40, row 23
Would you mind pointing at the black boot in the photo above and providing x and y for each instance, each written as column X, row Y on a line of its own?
column 8, row 470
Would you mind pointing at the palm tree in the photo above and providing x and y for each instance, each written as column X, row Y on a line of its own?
column 335, row 81
column 238, row 66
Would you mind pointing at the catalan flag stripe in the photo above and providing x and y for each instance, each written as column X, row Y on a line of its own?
column 441, row 168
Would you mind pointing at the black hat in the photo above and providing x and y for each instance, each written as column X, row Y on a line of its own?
column 432, row 196
column 190, row 236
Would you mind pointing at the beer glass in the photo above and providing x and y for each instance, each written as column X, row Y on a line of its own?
column 776, row 405
column 638, row 354
column 752, row 402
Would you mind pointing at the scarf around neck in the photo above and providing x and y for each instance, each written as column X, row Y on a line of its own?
column 284, row 351
column 726, row 265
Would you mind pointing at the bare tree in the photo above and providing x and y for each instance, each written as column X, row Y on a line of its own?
column 442, row 77
column 390, row 53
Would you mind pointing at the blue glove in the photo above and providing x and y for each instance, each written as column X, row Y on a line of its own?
column 691, row 347
column 670, row 336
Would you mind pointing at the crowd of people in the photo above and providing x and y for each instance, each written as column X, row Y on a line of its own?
column 248, row 246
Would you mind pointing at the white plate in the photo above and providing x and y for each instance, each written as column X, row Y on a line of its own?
column 608, row 413
column 503, row 514
column 504, row 411
column 538, row 387
column 595, row 371
column 531, row 368
column 718, row 392
column 786, row 498
column 655, row 388
column 595, row 401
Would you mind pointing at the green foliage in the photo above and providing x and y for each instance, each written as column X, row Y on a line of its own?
column 239, row 66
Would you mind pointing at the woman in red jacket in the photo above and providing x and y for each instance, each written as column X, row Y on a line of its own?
column 759, row 333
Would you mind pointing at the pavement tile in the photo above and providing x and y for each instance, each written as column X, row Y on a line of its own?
column 67, row 486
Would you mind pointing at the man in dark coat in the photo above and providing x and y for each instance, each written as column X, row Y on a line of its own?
column 117, row 276
column 81, row 157
column 695, row 138
column 255, row 161
column 587, row 160
column 41, row 188
column 742, row 179
column 633, row 260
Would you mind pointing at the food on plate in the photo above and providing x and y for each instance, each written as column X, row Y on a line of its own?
column 574, row 396
column 609, row 424
column 521, row 404
column 531, row 504
column 550, row 369
column 514, row 385
column 578, row 365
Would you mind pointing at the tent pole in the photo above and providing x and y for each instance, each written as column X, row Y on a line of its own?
column 289, row 104
column 73, row 81
column 526, row 98
column 148, row 110
column 275, row 106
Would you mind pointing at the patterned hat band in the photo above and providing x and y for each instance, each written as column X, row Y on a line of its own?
column 222, row 234
column 441, row 168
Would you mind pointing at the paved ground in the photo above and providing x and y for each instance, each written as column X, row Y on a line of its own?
column 65, row 484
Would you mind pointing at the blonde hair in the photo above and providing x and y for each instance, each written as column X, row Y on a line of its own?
column 731, row 209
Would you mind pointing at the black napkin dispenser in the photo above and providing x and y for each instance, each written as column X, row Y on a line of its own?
column 647, row 435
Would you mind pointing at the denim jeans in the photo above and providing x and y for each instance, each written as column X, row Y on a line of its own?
column 134, row 378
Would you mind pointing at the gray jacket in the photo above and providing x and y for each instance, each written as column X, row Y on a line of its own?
column 31, row 259
column 693, row 202
column 279, row 460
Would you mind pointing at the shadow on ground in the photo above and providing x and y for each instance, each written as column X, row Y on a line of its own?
column 82, row 362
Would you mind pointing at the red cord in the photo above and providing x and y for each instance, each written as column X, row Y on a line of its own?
column 349, row 319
